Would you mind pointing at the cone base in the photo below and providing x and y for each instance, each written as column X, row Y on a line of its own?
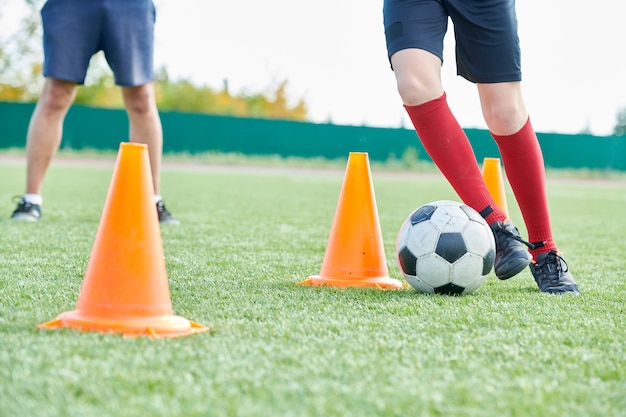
column 382, row 283
column 160, row 326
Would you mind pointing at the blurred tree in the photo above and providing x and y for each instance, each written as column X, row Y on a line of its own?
column 182, row 95
column 21, row 54
column 620, row 126
column 21, row 58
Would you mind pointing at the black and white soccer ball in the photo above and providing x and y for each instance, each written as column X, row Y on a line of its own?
column 445, row 247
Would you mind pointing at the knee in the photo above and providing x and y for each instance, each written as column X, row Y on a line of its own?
column 505, row 119
column 414, row 91
column 503, row 107
column 56, row 97
column 139, row 100
column 418, row 76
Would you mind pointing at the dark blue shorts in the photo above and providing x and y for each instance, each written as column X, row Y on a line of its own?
column 74, row 30
column 487, row 44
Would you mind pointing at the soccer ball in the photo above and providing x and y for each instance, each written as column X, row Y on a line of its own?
column 445, row 247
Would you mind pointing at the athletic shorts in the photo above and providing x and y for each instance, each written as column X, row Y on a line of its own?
column 74, row 30
column 487, row 44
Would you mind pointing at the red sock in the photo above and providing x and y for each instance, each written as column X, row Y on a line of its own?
column 448, row 147
column 523, row 164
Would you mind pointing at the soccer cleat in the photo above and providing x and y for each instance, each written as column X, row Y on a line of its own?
column 165, row 217
column 512, row 256
column 552, row 274
column 26, row 211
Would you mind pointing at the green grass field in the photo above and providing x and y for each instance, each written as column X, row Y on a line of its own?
column 278, row 349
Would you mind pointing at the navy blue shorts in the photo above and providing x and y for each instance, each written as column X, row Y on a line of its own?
column 487, row 44
column 74, row 30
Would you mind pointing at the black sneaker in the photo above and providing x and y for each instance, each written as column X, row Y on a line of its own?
column 512, row 256
column 552, row 274
column 26, row 211
column 165, row 217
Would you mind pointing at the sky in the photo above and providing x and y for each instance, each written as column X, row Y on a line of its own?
column 332, row 54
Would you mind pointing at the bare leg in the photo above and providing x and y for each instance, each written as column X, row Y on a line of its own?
column 418, row 76
column 145, row 125
column 45, row 130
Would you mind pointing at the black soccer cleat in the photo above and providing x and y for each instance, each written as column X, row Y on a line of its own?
column 552, row 274
column 26, row 211
column 512, row 256
column 165, row 217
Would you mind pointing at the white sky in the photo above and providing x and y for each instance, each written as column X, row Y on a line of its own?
column 332, row 52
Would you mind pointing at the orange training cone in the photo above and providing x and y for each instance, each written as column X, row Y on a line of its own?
column 355, row 255
column 125, row 289
column 492, row 174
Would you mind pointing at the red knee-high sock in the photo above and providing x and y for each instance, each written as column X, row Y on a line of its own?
column 448, row 147
column 523, row 164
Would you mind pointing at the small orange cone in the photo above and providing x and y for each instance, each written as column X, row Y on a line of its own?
column 492, row 174
column 125, row 289
column 355, row 255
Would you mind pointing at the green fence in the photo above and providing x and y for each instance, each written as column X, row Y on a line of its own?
column 94, row 128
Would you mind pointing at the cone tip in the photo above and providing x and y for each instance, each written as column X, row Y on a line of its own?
column 130, row 145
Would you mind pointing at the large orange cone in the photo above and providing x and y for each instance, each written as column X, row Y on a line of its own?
column 492, row 174
column 355, row 255
column 125, row 289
